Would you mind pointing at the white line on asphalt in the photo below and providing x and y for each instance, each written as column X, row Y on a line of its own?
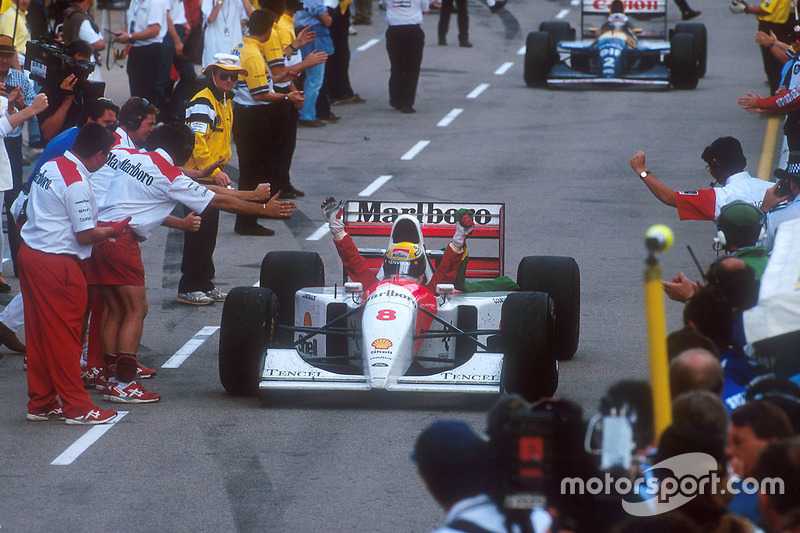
column 375, row 185
column 317, row 235
column 563, row 13
column 476, row 92
column 188, row 349
column 450, row 117
column 575, row 2
column 368, row 44
column 503, row 68
column 415, row 150
column 83, row 443
column 521, row 51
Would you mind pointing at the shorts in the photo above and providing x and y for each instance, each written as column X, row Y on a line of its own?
column 116, row 261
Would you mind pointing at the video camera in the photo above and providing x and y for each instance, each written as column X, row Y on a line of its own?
column 49, row 63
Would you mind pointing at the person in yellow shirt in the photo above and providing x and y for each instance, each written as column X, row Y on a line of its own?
column 210, row 115
column 253, row 124
column 13, row 23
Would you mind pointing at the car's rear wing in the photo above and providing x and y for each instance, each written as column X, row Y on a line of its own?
column 374, row 218
column 640, row 10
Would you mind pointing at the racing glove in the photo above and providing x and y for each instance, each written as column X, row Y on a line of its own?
column 738, row 6
column 120, row 228
column 332, row 212
column 464, row 226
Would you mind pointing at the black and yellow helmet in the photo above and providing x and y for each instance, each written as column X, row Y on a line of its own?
column 405, row 259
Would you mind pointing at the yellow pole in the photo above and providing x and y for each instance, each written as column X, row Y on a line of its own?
column 657, row 337
column 768, row 149
column 657, row 239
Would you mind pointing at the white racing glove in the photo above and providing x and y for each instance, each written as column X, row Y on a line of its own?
column 464, row 226
column 332, row 212
column 737, row 6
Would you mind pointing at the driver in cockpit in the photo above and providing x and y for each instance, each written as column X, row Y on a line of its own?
column 407, row 260
column 617, row 19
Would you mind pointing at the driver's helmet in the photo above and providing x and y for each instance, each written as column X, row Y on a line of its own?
column 617, row 20
column 405, row 259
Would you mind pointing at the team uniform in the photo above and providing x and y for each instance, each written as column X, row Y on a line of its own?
column 706, row 204
column 145, row 55
column 102, row 178
column 210, row 115
column 405, row 41
column 61, row 204
column 146, row 187
column 777, row 20
column 251, row 123
column 358, row 269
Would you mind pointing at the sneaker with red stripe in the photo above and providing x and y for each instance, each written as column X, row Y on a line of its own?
column 143, row 372
column 131, row 393
column 57, row 413
column 94, row 416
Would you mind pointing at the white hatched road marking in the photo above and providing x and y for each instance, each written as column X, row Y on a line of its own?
column 521, row 51
column 375, row 185
column 450, row 117
column 476, row 92
column 188, row 349
column 83, row 443
column 563, row 13
column 417, row 148
column 368, row 44
column 317, row 235
column 503, row 68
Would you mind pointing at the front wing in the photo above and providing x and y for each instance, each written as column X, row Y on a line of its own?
column 285, row 369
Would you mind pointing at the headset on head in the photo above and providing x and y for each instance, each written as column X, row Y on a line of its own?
column 131, row 118
column 720, row 242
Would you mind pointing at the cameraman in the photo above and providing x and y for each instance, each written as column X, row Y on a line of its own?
column 64, row 95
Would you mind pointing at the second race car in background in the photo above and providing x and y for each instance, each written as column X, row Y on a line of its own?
column 617, row 53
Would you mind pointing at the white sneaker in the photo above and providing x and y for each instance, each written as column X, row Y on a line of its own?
column 194, row 298
column 216, row 295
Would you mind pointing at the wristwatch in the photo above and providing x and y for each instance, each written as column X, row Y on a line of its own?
column 643, row 174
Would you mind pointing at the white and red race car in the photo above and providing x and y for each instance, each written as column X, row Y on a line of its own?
column 294, row 332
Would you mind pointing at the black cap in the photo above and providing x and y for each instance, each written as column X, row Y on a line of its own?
column 792, row 168
column 723, row 151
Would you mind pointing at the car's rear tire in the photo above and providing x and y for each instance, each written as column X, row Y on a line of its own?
column 248, row 323
column 286, row 273
column 700, row 42
column 529, row 368
column 683, row 69
column 559, row 277
column 538, row 59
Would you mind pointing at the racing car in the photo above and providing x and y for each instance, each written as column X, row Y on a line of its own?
column 617, row 54
column 294, row 332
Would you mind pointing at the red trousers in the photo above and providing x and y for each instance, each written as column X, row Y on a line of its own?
column 54, row 291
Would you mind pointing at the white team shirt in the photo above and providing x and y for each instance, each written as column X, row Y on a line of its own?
column 102, row 178
column 741, row 186
column 177, row 12
column 143, row 13
column 60, row 204
column 146, row 187
column 402, row 12
column 222, row 35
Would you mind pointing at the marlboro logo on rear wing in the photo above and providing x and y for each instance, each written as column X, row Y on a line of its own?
column 374, row 218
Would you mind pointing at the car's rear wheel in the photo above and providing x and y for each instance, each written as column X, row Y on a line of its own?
column 286, row 273
column 538, row 59
column 700, row 43
column 683, row 69
column 248, row 323
column 559, row 277
column 529, row 368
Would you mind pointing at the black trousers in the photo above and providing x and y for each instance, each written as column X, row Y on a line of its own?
column 14, row 149
column 463, row 19
column 404, row 45
column 337, row 67
column 197, row 265
column 143, row 64
column 252, row 135
column 291, row 139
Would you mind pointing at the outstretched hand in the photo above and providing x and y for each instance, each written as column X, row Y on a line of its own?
column 276, row 208
column 681, row 288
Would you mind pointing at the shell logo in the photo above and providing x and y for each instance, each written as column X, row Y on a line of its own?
column 381, row 344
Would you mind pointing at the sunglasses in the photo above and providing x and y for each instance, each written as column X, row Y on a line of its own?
column 226, row 76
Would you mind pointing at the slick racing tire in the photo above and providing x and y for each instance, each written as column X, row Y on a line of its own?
column 529, row 368
column 559, row 277
column 683, row 69
column 700, row 43
column 286, row 273
column 248, row 322
column 538, row 59
column 559, row 30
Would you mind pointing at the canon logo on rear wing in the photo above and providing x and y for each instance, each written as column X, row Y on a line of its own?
column 631, row 6
column 431, row 213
